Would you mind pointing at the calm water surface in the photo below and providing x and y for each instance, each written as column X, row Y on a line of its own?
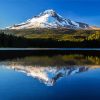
column 62, row 77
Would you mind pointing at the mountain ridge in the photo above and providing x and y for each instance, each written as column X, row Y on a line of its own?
column 51, row 19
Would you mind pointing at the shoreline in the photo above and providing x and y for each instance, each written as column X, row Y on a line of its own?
column 59, row 49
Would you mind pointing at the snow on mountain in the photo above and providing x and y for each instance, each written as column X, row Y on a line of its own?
column 50, row 19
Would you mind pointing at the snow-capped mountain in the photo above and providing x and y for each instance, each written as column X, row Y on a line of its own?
column 50, row 19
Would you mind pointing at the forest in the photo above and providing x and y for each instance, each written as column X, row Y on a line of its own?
column 50, row 38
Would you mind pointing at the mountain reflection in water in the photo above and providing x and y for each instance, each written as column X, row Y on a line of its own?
column 50, row 69
column 48, row 75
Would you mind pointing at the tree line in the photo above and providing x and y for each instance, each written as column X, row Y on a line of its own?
column 8, row 40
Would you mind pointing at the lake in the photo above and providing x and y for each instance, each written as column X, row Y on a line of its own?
column 50, row 75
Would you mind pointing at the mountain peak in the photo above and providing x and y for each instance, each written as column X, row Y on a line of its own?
column 50, row 12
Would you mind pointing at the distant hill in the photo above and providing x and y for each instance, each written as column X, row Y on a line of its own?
column 61, row 34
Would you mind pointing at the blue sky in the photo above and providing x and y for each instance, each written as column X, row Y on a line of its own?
column 16, row 11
